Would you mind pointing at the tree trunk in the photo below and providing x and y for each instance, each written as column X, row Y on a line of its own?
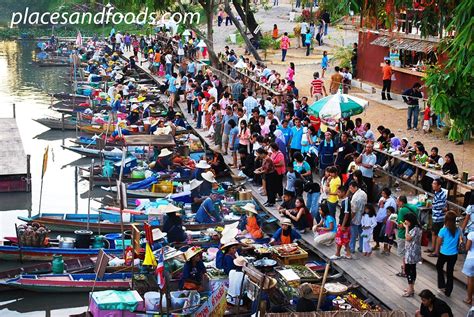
column 247, row 17
column 250, row 47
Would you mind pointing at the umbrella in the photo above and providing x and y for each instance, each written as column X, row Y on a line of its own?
column 337, row 106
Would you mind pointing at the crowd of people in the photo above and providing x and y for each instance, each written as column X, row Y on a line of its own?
column 314, row 173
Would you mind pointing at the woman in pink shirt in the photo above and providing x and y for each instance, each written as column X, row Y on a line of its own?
column 244, row 136
column 284, row 45
column 279, row 161
column 290, row 72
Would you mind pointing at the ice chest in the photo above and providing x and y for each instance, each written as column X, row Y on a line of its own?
column 115, row 303
column 130, row 162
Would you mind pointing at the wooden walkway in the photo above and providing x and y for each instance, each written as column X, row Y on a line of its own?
column 376, row 274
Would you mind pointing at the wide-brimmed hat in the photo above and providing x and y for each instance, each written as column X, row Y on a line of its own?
column 229, row 244
column 229, row 235
column 158, row 234
column 134, row 100
column 194, row 183
column 134, row 106
column 306, row 291
column 118, row 76
column 166, row 209
column 286, row 221
column 203, row 164
column 165, row 152
column 209, row 176
column 250, row 207
column 240, row 261
column 178, row 114
column 192, row 251
column 272, row 283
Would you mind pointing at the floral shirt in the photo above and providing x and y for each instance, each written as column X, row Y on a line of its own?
column 413, row 247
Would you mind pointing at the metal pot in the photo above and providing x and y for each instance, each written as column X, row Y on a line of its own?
column 67, row 243
column 265, row 263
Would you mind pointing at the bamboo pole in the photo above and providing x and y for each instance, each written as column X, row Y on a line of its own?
column 321, row 290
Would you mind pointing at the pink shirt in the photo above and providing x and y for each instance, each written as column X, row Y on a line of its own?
column 290, row 73
column 278, row 158
column 285, row 43
column 244, row 137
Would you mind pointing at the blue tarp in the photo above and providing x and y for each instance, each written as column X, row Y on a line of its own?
column 146, row 183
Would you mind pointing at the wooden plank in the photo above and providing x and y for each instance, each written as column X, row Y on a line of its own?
column 12, row 154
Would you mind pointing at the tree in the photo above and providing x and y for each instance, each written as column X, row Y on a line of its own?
column 250, row 47
column 451, row 84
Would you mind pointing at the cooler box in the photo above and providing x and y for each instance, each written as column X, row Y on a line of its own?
column 115, row 303
column 130, row 162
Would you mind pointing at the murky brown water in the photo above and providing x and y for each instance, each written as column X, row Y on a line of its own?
column 26, row 86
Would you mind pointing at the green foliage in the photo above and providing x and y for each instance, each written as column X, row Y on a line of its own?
column 451, row 85
column 339, row 8
column 342, row 55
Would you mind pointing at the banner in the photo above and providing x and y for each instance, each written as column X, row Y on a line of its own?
column 45, row 161
column 216, row 304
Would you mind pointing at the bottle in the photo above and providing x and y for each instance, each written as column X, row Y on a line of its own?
column 57, row 265
column 128, row 256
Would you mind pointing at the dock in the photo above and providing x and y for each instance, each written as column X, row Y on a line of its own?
column 14, row 163
column 376, row 275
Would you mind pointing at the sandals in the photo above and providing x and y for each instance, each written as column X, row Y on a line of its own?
column 401, row 274
column 432, row 255
column 406, row 294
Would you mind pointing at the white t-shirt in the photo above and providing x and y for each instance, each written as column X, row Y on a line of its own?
column 168, row 58
column 118, row 38
column 470, row 253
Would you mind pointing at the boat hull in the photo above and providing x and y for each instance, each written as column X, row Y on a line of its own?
column 13, row 253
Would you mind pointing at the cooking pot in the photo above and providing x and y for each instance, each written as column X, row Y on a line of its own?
column 66, row 243
column 265, row 263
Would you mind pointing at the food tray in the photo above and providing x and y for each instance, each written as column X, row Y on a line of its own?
column 304, row 273
column 289, row 250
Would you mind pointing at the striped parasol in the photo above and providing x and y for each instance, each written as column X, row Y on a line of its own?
column 338, row 106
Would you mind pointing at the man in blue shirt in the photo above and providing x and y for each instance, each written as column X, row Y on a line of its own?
column 250, row 103
column 229, row 115
column 286, row 234
column 286, row 130
column 296, row 136
column 440, row 202
column 207, row 212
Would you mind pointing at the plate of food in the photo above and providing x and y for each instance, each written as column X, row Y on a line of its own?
column 335, row 288
column 247, row 241
column 287, row 249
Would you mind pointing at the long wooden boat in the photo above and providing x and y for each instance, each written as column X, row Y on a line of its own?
column 67, row 96
column 14, row 253
column 57, row 124
column 144, row 193
column 53, row 63
column 72, row 222
column 61, row 222
column 77, row 283
column 94, row 152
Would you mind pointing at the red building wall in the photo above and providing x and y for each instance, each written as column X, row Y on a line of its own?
column 368, row 64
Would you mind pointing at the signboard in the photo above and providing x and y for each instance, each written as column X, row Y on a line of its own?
column 216, row 305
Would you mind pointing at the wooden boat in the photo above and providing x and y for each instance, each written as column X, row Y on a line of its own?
column 67, row 96
column 57, row 124
column 53, row 63
column 143, row 193
column 71, row 222
column 14, row 252
column 77, row 283
column 108, row 152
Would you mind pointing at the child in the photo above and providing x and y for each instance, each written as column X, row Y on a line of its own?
column 390, row 226
column 427, row 119
column 368, row 223
column 290, row 179
column 324, row 63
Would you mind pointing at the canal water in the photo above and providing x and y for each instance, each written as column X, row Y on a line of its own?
column 27, row 86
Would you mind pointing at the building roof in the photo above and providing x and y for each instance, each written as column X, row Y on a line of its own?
column 416, row 45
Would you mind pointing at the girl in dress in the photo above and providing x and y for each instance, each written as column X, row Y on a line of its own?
column 368, row 223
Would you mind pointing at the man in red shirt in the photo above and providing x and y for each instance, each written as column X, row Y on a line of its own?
column 387, row 80
column 317, row 87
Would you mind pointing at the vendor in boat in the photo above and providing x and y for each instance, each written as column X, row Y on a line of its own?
column 193, row 271
column 173, row 224
column 217, row 163
column 134, row 115
column 183, row 161
column 207, row 212
column 159, row 239
column 178, row 120
column 196, row 197
column 229, row 251
column 201, row 167
column 250, row 223
column 163, row 161
column 236, row 277
column 208, row 183
column 286, row 234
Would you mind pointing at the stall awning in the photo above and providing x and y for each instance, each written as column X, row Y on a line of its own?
column 405, row 44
